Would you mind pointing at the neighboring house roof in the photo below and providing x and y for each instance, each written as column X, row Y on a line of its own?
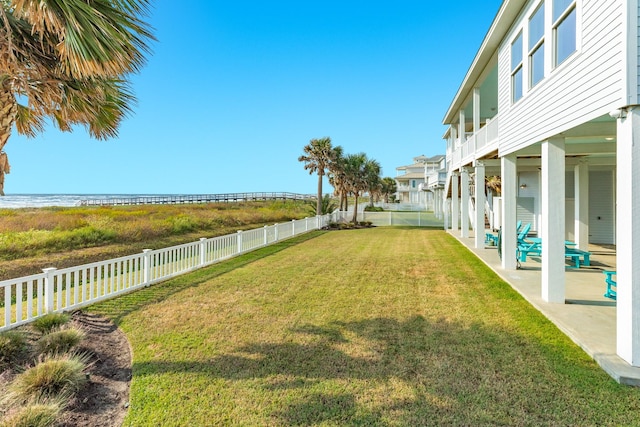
column 413, row 166
column 435, row 159
column 406, row 176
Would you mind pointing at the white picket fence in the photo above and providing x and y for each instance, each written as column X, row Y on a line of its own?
column 57, row 290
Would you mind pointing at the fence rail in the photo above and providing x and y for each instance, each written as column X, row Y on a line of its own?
column 194, row 198
column 57, row 290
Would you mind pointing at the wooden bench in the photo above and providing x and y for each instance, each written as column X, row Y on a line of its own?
column 611, row 293
column 534, row 248
column 576, row 254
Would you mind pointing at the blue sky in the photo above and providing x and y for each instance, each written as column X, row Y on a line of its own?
column 235, row 89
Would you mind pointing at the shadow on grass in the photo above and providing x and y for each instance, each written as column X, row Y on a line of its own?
column 448, row 373
column 119, row 307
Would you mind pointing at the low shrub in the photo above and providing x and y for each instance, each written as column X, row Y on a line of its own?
column 34, row 415
column 53, row 377
column 50, row 321
column 12, row 343
column 58, row 342
column 369, row 208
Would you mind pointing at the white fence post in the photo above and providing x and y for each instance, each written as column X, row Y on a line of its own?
column 317, row 222
column 306, row 224
column 203, row 250
column 390, row 221
column 419, row 215
column 48, row 289
column 265, row 236
column 239, row 241
column 147, row 266
column 275, row 232
column 293, row 227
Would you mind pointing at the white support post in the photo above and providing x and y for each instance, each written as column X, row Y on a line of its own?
column 628, row 237
column 455, row 202
column 49, row 290
column 203, row 250
column 265, row 235
column 146, row 275
column 480, row 199
column 462, row 127
column 509, row 191
column 275, row 232
column 581, row 217
column 476, row 109
column 464, row 195
column 553, row 220
column 306, row 224
column 239, row 241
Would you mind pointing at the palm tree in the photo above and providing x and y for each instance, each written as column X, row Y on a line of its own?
column 372, row 180
column 337, row 177
column 318, row 156
column 389, row 187
column 68, row 60
column 494, row 184
column 354, row 165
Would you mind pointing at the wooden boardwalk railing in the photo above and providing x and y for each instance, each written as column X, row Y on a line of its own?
column 194, row 198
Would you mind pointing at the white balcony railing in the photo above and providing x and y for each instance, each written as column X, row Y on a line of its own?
column 478, row 144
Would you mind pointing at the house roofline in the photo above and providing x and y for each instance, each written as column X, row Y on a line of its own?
column 508, row 12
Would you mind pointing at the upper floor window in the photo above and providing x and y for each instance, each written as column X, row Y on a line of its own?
column 413, row 183
column 564, row 29
column 516, row 69
column 536, row 46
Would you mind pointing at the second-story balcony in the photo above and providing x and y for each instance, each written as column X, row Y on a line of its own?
column 474, row 145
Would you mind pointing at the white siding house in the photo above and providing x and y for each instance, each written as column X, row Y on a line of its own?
column 418, row 182
column 550, row 104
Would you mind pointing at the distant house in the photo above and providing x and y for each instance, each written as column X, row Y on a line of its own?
column 418, row 182
column 551, row 104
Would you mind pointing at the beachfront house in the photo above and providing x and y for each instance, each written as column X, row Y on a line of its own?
column 418, row 182
column 410, row 182
column 550, row 104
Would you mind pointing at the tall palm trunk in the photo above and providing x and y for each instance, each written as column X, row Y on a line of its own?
column 319, row 203
column 355, row 210
column 8, row 111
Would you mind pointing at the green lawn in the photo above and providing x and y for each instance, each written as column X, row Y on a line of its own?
column 383, row 326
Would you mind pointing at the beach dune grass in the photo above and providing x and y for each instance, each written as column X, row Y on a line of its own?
column 384, row 326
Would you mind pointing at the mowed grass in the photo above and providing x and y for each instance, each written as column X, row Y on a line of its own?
column 384, row 326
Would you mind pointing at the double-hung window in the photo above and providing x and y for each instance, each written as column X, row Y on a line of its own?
column 516, row 69
column 564, row 29
column 536, row 46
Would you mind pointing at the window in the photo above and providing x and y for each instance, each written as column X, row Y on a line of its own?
column 413, row 183
column 564, row 29
column 536, row 46
column 516, row 69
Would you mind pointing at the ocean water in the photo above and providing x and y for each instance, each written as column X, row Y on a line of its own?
column 14, row 201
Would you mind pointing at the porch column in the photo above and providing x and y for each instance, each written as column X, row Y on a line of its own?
column 480, row 201
column 455, row 201
column 446, row 213
column 462, row 130
column 476, row 109
column 464, row 196
column 581, row 217
column 628, row 237
column 553, row 220
column 509, row 192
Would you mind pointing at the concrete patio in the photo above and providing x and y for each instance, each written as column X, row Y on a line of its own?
column 588, row 318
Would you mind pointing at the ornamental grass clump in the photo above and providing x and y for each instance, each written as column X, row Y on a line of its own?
column 54, row 377
column 60, row 341
column 50, row 322
column 34, row 415
column 12, row 343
